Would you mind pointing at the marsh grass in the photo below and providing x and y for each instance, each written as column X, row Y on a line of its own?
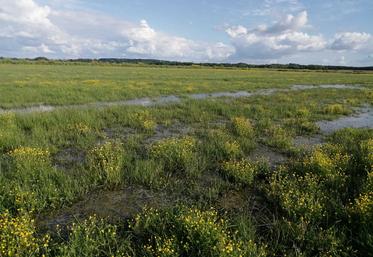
column 318, row 203
column 75, row 84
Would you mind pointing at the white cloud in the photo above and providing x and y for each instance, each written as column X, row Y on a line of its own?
column 27, row 29
column 25, row 12
column 143, row 40
column 350, row 40
column 289, row 23
column 39, row 49
column 282, row 38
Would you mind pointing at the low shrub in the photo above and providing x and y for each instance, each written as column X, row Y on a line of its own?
column 10, row 133
column 30, row 158
column 188, row 232
column 106, row 162
column 18, row 236
column 361, row 214
column 177, row 154
column 219, row 146
column 301, row 197
column 32, row 182
column 277, row 137
column 327, row 195
column 143, row 121
column 302, row 126
column 80, row 128
column 92, row 237
column 336, row 109
column 241, row 171
column 367, row 153
column 242, row 127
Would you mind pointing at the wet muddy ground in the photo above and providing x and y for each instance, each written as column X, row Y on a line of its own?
column 118, row 204
column 126, row 202
column 265, row 153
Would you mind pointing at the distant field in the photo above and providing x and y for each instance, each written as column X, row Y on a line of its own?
column 277, row 174
column 25, row 84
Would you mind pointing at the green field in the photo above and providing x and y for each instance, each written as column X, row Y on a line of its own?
column 211, row 177
column 25, row 85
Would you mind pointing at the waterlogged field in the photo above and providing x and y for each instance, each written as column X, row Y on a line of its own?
column 286, row 173
column 27, row 85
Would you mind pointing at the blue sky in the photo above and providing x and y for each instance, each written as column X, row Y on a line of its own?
column 337, row 32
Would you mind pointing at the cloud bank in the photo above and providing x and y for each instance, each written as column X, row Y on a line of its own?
column 29, row 29
column 286, row 37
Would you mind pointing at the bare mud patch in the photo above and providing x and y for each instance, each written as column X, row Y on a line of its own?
column 67, row 158
column 115, row 205
column 308, row 143
column 265, row 153
column 162, row 132
column 119, row 132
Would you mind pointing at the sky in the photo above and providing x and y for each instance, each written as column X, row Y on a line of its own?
column 332, row 32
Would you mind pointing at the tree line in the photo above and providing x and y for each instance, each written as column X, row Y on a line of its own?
column 123, row 61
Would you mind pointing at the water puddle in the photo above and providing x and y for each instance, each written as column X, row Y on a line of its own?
column 362, row 119
column 326, row 86
column 26, row 110
column 147, row 102
column 220, row 94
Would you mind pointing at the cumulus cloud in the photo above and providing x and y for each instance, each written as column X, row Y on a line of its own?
column 30, row 29
column 289, row 23
column 350, row 40
column 282, row 38
column 143, row 40
column 38, row 49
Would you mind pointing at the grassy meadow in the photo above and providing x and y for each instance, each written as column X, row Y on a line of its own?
column 212, row 177
column 30, row 84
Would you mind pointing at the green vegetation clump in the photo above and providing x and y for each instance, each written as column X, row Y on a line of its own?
column 189, row 232
column 92, row 237
column 242, row 127
column 18, row 236
column 144, row 121
column 242, row 171
column 336, row 109
column 177, row 154
column 31, row 182
column 106, row 162
column 277, row 137
column 220, row 146
column 316, row 192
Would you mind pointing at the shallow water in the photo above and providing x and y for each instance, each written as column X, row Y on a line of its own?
column 327, row 86
column 363, row 119
column 147, row 102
